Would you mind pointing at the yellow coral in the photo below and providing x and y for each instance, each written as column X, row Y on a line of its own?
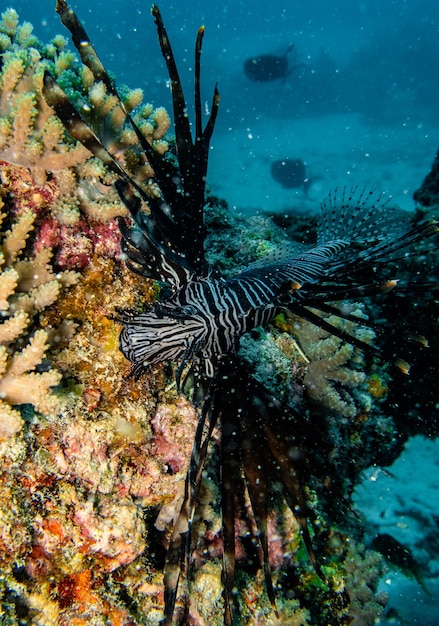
column 10, row 20
column 19, row 386
column 162, row 122
column 32, row 136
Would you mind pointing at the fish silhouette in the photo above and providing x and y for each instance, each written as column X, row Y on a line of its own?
column 268, row 67
column 291, row 174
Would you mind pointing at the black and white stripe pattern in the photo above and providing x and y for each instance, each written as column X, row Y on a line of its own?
column 205, row 317
column 201, row 322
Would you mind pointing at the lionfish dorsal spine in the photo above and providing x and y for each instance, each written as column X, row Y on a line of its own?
column 192, row 153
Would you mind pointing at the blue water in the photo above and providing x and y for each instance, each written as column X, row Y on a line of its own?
column 364, row 67
column 379, row 57
column 361, row 109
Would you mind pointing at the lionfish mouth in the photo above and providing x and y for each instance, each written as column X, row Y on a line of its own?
column 264, row 441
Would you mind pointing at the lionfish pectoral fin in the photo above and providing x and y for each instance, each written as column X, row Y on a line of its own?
column 80, row 130
column 320, row 322
column 129, row 198
column 171, row 575
column 83, row 44
column 256, row 472
column 179, row 549
column 147, row 251
column 88, row 54
column 156, row 228
column 178, row 552
column 229, row 467
column 71, row 119
column 292, row 490
column 75, row 124
column 368, row 348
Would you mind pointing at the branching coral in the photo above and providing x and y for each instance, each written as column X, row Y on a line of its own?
column 364, row 569
column 31, row 136
column 27, row 286
column 332, row 364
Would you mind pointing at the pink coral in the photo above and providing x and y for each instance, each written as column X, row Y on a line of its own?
column 76, row 245
column 113, row 529
column 171, row 443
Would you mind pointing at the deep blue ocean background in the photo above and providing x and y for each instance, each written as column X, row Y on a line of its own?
column 362, row 56
column 363, row 109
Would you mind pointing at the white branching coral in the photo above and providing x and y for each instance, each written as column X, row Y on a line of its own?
column 27, row 286
column 331, row 371
column 30, row 134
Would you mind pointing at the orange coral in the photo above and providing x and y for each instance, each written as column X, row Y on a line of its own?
column 93, row 356
column 377, row 387
column 79, row 593
column 76, row 588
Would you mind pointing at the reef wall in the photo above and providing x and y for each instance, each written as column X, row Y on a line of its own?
column 89, row 456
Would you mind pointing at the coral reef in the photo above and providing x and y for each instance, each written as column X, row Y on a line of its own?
column 235, row 241
column 27, row 286
column 61, row 174
column 89, row 456
column 428, row 193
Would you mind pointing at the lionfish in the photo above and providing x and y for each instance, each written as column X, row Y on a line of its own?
column 203, row 315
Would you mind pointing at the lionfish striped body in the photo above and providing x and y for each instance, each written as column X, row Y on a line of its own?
column 205, row 318
column 199, row 325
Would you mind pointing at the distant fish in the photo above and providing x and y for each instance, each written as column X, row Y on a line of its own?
column 267, row 67
column 291, row 174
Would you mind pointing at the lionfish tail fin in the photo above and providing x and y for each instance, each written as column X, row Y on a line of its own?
column 254, row 461
column 356, row 213
column 372, row 229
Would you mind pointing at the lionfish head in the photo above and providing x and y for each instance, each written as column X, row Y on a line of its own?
column 162, row 334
